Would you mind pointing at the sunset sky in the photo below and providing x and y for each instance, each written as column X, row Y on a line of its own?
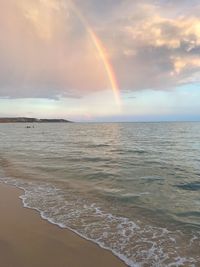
column 108, row 60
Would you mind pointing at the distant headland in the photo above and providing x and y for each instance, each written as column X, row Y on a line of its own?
column 32, row 120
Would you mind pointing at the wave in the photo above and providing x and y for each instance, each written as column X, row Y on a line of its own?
column 135, row 242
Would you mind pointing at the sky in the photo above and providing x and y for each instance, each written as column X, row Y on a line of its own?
column 108, row 60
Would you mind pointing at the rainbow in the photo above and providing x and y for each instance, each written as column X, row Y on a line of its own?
column 101, row 52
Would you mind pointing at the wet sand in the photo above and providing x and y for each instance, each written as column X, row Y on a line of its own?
column 26, row 240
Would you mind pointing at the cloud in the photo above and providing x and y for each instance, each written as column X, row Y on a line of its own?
column 156, row 49
column 46, row 52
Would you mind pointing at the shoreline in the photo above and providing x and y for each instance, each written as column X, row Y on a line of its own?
column 26, row 239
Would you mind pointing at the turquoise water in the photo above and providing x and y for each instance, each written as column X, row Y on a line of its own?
column 133, row 188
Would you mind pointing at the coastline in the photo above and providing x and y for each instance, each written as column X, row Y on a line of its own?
column 28, row 240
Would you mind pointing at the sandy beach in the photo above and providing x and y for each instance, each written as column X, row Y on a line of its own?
column 26, row 240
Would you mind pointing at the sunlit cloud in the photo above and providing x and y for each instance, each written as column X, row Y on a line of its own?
column 153, row 43
column 47, row 52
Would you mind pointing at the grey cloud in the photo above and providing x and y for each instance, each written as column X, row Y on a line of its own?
column 154, row 50
column 45, row 50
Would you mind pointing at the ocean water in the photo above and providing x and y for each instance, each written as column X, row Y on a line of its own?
column 133, row 188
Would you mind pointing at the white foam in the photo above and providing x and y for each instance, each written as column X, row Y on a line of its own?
column 148, row 242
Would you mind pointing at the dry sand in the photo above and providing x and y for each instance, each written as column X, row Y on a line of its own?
column 26, row 240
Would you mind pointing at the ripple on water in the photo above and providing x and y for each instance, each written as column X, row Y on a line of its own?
column 137, row 243
column 194, row 186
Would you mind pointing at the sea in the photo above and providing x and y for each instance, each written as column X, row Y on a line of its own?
column 132, row 188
